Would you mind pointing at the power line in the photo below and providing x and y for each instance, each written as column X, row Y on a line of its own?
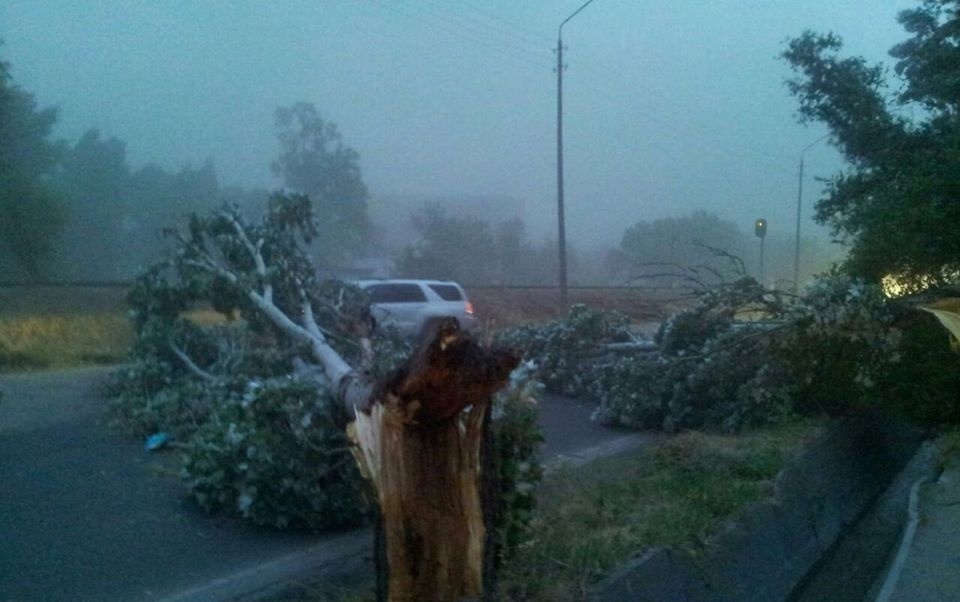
column 535, row 39
column 462, row 33
column 521, row 47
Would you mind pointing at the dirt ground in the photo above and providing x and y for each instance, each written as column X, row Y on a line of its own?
column 497, row 307
column 500, row 307
column 20, row 300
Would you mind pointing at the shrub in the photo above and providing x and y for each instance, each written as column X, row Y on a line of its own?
column 516, row 442
column 836, row 349
column 561, row 347
column 631, row 390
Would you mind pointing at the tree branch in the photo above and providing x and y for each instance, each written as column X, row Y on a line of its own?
column 255, row 253
column 190, row 365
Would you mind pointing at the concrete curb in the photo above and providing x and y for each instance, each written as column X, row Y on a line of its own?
column 850, row 569
column 338, row 555
column 903, row 551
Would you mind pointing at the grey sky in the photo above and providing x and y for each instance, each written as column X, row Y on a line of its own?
column 670, row 105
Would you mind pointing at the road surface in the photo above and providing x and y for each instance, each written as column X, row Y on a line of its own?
column 86, row 514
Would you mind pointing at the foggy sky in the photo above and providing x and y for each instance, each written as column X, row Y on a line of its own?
column 669, row 105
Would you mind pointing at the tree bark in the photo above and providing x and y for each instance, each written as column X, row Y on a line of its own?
column 420, row 446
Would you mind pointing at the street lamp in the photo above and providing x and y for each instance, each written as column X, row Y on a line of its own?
column 760, row 229
column 796, row 252
column 562, row 234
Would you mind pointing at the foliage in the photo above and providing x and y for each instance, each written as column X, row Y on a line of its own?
column 107, row 196
column 923, row 387
column 896, row 203
column 559, row 348
column 254, row 416
column 33, row 214
column 314, row 161
column 516, row 439
column 276, row 455
column 839, row 347
column 471, row 250
column 743, row 356
column 257, row 440
column 655, row 248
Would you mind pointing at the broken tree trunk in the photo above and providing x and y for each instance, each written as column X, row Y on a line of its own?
column 419, row 444
column 418, row 434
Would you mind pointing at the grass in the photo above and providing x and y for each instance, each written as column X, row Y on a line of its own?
column 53, row 340
column 63, row 340
column 595, row 517
column 949, row 447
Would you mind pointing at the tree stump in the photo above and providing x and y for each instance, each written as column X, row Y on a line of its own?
column 419, row 444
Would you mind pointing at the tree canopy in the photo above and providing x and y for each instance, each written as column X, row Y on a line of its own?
column 116, row 211
column 661, row 246
column 33, row 215
column 471, row 250
column 314, row 161
column 898, row 202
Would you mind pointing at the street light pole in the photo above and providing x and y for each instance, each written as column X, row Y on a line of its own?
column 561, row 225
column 796, row 252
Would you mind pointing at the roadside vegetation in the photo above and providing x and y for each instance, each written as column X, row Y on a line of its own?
column 594, row 517
column 47, row 341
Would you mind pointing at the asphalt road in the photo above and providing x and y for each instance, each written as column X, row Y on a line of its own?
column 86, row 514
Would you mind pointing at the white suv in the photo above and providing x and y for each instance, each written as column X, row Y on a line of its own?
column 416, row 307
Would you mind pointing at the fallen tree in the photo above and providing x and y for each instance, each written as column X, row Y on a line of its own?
column 421, row 427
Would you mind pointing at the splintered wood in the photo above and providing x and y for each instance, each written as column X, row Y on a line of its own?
column 420, row 446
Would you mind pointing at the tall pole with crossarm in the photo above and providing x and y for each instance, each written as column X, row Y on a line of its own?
column 561, row 226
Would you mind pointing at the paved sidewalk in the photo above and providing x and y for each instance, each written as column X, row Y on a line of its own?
column 928, row 569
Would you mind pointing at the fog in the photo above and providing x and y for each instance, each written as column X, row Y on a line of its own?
column 669, row 107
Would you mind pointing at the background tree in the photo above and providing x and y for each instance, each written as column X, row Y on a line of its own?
column 662, row 246
column 32, row 214
column 471, row 250
column 450, row 248
column 898, row 202
column 116, row 211
column 96, row 180
column 314, row 161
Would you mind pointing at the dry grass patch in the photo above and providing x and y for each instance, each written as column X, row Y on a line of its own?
column 37, row 341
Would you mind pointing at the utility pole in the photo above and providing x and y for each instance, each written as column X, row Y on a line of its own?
column 796, row 252
column 561, row 225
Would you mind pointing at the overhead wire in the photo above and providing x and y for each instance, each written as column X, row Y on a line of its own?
column 463, row 33
column 668, row 110
column 525, row 46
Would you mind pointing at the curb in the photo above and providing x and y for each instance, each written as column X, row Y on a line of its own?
column 903, row 551
column 341, row 554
